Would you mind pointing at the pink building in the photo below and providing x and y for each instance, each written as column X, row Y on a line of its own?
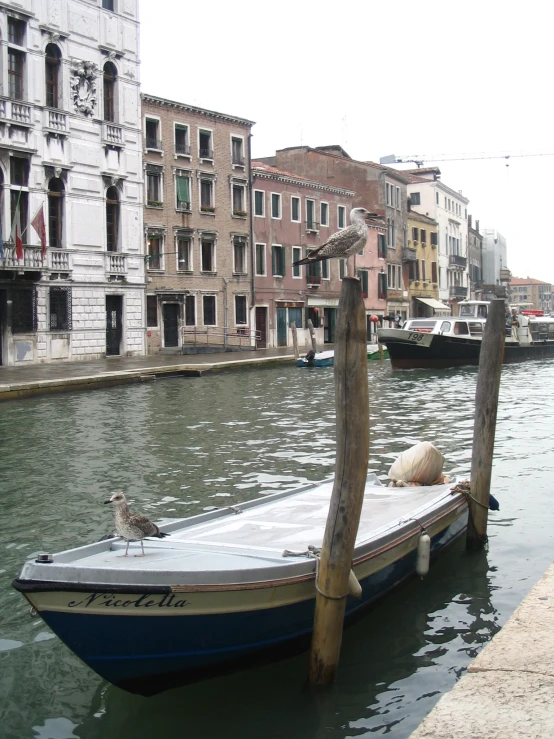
column 291, row 215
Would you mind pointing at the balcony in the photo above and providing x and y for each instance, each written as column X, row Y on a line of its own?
column 152, row 144
column 206, row 154
column 312, row 226
column 409, row 254
column 238, row 161
column 458, row 291
column 59, row 260
column 313, row 279
column 56, row 121
column 454, row 260
column 116, row 264
column 112, row 134
column 32, row 258
column 182, row 149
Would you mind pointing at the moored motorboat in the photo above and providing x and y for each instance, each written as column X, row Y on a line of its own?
column 229, row 586
column 317, row 359
column 452, row 341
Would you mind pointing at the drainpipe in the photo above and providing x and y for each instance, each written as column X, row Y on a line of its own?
column 225, row 313
column 252, row 246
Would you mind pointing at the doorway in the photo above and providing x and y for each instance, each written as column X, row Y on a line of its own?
column 171, row 324
column 281, row 326
column 114, row 311
column 330, row 315
column 261, row 326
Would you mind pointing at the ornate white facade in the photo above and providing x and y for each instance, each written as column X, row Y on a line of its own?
column 71, row 144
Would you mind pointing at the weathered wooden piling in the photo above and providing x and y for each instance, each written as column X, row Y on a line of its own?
column 295, row 339
column 312, row 334
column 484, row 426
column 352, row 424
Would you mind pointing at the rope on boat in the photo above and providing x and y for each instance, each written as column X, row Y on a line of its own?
column 313, row 552
column 464, row 488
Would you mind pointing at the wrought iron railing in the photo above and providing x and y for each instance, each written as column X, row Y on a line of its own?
column 206, row 154
column 152, row 143
column 206, row 336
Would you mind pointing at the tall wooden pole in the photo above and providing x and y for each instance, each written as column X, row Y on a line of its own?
column 295, row 339
column 312, row 334
column 484, row 427
column 352, row 423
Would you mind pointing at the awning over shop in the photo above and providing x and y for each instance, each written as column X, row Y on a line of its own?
column 435, row 304
column 323, row 302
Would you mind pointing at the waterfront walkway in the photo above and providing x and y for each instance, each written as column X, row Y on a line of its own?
column 21, row 382
column 508, row 690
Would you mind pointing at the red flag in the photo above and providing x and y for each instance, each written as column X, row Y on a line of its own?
column 40, row 227
column 16, row 233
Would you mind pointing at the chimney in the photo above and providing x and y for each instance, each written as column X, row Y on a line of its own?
column 469, row 221
column 477, row 226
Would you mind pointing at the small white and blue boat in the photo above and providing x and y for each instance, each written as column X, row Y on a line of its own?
column 229, row 587
column 317, row 359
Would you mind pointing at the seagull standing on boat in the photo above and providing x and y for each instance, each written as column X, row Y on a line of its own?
column 132, row 526
column 345, row 243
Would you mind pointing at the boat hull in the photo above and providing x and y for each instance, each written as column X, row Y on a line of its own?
column 452, row 351
column 146, row 640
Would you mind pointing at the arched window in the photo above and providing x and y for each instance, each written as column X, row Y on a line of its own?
column 53, row 65
column 110, row 77
column 55, row 213
column 112, row 218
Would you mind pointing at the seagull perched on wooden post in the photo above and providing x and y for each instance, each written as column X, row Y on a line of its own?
column 345, row 243
column 132, row 526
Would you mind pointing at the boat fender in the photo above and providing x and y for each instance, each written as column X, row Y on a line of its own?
column 494, row 505
column 354, row 587
column 423, row 554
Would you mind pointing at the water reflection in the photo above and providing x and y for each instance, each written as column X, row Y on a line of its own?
column 178, row 446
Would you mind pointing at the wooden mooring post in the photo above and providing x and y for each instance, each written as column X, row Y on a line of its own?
column 352, row 443
column 295, row 340
column 312, row 334
column 484, row 426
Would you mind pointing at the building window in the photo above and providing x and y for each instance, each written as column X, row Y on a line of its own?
column 434, row 272
column 110, row 77
column 184, row 253
column 423, row 236
column 152, row 134
column 112, row 218
column 324, row 214
column 275, row 205
column 325, row 269
column 295, row 209
column 108, row 5
column 151, row 311
column 423, row 271
column 24, row 311
column 16, row 32
column 415, row 198
column 182, row 191
column 296, row 257
column 16, row 67
column 259, row 203
column 237, row 151
column 208, row 310
column 60, row 309
column 190, row 310
column 207, row 250
column 205, row 149
column 437, row 198
column 341, row 213
column 240, row 310
column 363, row 275
column 311, row 224
column 391, row 276
column 154, row 186
column 155, row 252
column 260, row 260
column 182, row 139
column 434, row 238
column 313, row 271
column 278, row 261
column 239, row 194
column 19, row 200
column 52, row 70
column 239, row 255
column 415, row 235
column 382, row 286
column 398, row 205
column 381, row 246
column 55, row 212
column 207, row 196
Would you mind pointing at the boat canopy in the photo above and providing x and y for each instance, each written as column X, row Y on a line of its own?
column 436, row 304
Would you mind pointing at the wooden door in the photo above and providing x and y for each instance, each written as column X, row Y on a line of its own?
column 281, row 326
column 171, row 324
column 261, row 326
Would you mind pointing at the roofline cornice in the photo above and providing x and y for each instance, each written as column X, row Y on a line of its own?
column 193, row 109
column 303, row 183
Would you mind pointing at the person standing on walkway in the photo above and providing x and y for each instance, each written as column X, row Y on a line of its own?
column 515, row 324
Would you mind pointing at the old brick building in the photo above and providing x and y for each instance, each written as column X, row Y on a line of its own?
column 377, row 188
column 197, row 226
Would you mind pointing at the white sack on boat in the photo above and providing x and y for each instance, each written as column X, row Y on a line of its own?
column 420, row 465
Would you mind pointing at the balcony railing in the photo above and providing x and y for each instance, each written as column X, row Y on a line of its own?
column 16, row 112
column 312, row 226
column 239, row 160
column 116, row 264
column 454, row 260
column 155, row 144
column 112, row 134
column 56, row 121
column 409, row 254
column 206, row 154
column 182, row 149
column 313, row 279
column 32, row 258
column 59, row 260
column 458, row 291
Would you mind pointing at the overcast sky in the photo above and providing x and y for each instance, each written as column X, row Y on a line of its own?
column 404, row 78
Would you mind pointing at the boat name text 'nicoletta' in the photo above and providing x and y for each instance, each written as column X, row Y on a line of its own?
column 109, row 600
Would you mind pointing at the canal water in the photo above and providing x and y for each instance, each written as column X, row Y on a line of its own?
column 179, row 446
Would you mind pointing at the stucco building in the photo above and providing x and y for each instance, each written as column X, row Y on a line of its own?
column 495, row 256
column 475, row 257
column 526, row 292
column 196, row 226
column 70, row 152
column 292, row 215
column 422, row 266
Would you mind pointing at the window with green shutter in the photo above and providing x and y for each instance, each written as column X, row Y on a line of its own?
column 182, row 189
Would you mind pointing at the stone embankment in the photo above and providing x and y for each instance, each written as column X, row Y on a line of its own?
column 508, row 690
